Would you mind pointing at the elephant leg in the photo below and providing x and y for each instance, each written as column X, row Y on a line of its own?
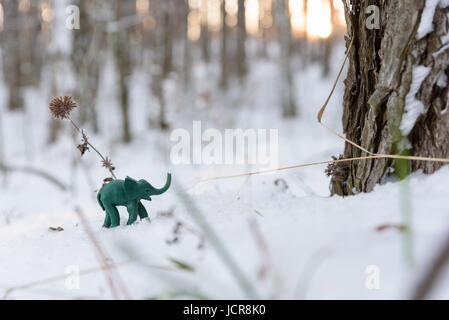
column 132, row 210
column 107, row 221
column 113, row 214
column 142, row 211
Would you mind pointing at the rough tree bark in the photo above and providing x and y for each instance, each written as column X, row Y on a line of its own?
column 378, row 91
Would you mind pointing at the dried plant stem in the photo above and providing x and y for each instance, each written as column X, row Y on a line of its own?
column 320, row 115
column 111, row 277
column 434, row 273
column 48, row 280
column 268, row 264
column 90, row 145
column 374, row 156
column 217, row 244
column 34, row 171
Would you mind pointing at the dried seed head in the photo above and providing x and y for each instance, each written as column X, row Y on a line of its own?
column 107, row 163
column 83, row 148
column 60, row 107
column 338, row 170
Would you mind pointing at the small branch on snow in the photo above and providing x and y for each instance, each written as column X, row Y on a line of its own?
column 34, row 171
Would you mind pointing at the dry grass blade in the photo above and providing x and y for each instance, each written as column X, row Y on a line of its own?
column 217, row 244
column 319, row 117
column 430, row 278
column 58, row 278
column 40, row 173
column 112, row 278
column 268, row 265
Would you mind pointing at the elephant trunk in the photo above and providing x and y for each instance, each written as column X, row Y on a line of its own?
column 157, row 191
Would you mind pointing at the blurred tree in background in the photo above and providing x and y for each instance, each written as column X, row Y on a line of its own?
column 168, row 39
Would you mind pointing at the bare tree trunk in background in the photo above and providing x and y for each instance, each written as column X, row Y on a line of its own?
column 284, row 35
column 224, row 48
column 329, row 43
column 167, row 38
column 204, row 35
column 382, row 65
column 10, row 53
column 86, row 58
column 241, row 41
column 124, row 8
column 187, row 48
column 163, row 53
column 31, row 45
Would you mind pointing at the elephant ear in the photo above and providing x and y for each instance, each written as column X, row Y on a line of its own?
column 131, row 188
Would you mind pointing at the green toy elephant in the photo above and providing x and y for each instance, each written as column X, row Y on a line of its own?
column 127, row 193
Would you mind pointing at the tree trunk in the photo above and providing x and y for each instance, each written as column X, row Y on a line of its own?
column 86, row 58
column 122, row 44
column 11, row 56
column 163, row 53
column 284, row 35
column 224, row 48
column 241, row 41
column 204, row 33
column 187, row 63
column 31, row 46
column 394, row 71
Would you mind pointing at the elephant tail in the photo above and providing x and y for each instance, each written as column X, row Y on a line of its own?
column 99, row 201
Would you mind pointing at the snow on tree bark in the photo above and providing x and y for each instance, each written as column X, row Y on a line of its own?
column 378, row 81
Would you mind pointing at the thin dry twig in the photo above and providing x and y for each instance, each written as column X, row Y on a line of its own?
column 34, row 171
column 111, row 277
column 268, row 265
column 217, row 244
column 60, row 108
column 36, row 283
column 434, row 272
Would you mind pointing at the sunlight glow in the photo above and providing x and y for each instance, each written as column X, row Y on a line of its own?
column 231, row 11
column 266, row 18
column 46, row 11
column 194, row 21
column 24, row 5
column 259, row 14
column 214, row 14
column 252, row 17
column 338, row 5
column 319, row 19
column 298, row 17
column 142, row 6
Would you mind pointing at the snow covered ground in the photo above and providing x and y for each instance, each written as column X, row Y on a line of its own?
column 283, row 231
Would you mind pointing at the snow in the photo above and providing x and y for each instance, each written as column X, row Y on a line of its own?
column 426, row 25
column 414, row 107
column 319, row 247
